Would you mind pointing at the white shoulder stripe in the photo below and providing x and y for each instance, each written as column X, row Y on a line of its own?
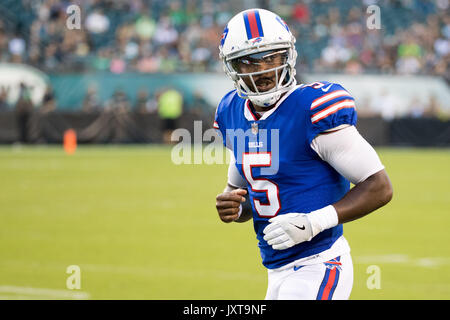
column 333, row 95
column 332, row 109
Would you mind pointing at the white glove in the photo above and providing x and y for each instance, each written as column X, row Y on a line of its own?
column 289, row 229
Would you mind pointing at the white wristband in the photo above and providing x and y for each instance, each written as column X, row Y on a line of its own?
column 323, row 219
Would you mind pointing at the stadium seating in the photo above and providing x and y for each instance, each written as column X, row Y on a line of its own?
column 311, row 21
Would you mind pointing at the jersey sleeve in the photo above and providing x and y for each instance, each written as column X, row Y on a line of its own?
column 331, row 106
column 220, row 117
column 217, row 120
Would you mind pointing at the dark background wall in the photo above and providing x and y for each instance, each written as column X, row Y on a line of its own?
column 130, row 127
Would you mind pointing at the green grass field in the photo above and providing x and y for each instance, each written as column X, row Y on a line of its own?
column 140, row 227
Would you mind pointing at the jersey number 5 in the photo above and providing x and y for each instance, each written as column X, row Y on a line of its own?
column 263, row 159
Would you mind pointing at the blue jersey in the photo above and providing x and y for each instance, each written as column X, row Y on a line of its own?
column 283, row 173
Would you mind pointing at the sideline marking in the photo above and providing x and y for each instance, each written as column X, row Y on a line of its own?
column 44, row 292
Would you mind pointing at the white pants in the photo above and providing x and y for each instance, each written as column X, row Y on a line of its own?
column 332, row 279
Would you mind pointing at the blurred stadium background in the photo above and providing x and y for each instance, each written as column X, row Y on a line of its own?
column 141, row 227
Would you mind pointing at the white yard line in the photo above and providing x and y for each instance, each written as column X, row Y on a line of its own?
column 16, row 297
column 43, row 293
column 425, row 262
column 147, row 271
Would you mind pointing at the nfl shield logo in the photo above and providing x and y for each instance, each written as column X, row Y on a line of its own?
column 255, row 128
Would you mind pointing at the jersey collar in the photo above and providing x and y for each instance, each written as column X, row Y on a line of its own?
column 248, row 114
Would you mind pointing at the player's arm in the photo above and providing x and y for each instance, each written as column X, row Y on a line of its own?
column 355, row 159
column 233, row 203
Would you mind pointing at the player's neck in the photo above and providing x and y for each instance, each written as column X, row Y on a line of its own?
column 263, row 109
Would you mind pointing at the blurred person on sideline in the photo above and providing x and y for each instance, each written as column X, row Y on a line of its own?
column 23, row 110
column 145, row 103
column 433, row 109
column 384, row 104
column 118, row 102
column 4, row 105
column 170, row 108
column 48, row 102
column 90, row 101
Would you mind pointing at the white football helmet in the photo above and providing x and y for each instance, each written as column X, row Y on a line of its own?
column 258, row 31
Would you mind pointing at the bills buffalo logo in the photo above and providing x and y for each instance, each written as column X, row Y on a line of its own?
column 333, row 263
column 256, row 40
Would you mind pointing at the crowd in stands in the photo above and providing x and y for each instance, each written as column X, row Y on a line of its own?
column 152, row 36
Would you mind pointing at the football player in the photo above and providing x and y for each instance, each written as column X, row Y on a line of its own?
column 295, row 149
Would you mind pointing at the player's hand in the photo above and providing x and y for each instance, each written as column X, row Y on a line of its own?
column 287, row 230
column 228, row 204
